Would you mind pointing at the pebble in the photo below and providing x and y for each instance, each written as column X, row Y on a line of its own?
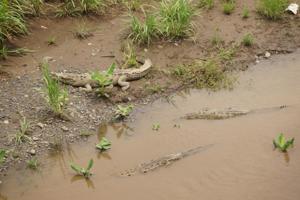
column 32, row 152
column 267, row 54
column 6, row 122
column 89, row 44
column 64, row 128
column 40, row 125
column 35, row 138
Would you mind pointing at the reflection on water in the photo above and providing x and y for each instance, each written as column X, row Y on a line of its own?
column 119, row 129
column 88, row 181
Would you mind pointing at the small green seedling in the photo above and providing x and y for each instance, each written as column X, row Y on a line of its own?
column 104, row 144
column 104, row 79
column 156, row 127
column 123, row 111
column 51, row 41
column 245, row 13
column 32, row 163
column 21, row 136
column 248, row 40
column 228, row 7
column 83, row 171
column 282, row 144
column 3, row 153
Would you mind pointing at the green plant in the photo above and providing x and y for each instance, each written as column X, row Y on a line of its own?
column 51, row 40
column 154, row 88
column 132, row 5
column 208, row 4
column 83, row 171
column 3, row 154
column 82, row 31
column 175, row 18
column 11, row 21
column 104, row 144
column 203, row 74
column 5, row 52
column 79, row 7
column 272, row 9
column 130, row 56
column 32, row 163
column 123, row 111
column 216, row 39
column 21, row 135
column 228, row 6
column 55, row 96
column 143, row 32
column 245, row 13
column 248, row 40
column 226, row 54
column 282, row 144
column 155, row 127
column 104, row 78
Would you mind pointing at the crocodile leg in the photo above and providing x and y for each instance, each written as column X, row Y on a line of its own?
column 123, row 83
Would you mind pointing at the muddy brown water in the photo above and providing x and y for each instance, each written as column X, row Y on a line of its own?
column 241, row 165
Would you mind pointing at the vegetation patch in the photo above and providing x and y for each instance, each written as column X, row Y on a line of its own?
column 282, row 143
column 175, row 18
column 83, row 171
column 203, row 74
column 272, row 9
column 208, row 4
column 248, row 40
column 228, row 7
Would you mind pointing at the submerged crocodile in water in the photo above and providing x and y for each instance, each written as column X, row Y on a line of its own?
column 120, row 77
column 214, row 114
column 163, row 161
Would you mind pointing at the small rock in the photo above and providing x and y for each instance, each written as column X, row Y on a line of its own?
column 35, row 138
column 146, row 50
column 32, row 152
column 43, row 27
column 6, row 122
column 26, row 96
column 160, row 46
column 267, row 54
column 40, row 125
column 89, row 44
column 64, row 128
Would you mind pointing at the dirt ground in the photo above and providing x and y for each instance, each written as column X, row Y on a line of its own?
column 21, row 82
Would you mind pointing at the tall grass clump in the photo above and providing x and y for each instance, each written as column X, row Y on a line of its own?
column 228, row 6
column 175, row 18
column 11, row 21
column 79, row 7
column 208, row 4
column 55, row 96
column 143, row 32
column 272, row 9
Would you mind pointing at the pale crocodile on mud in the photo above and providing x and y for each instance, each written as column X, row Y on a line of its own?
column 120, row 77
column 214, row 114
column 163, row 161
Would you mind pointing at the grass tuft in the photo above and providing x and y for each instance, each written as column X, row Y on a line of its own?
column 208, row 4
column 175, row 18
column 248, row 40
column 228, row 7
column 272, row 9
column 245, row 13
column 143, row 32
column 55, row 96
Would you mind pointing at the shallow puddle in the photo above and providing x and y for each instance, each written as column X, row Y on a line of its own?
column 240, row 165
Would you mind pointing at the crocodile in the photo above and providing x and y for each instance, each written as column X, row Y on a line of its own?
column 163, row 161
column 213, row 114
column 120, row 77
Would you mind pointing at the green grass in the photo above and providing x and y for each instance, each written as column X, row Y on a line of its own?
column 123, row 111
column 245, row 13
column 132, row 5
column 175, row 18
column 21, row 136
column 80, row 7
column 11, row 21
column 248, row 40
column 228, row 7
column 33, row 164
column 143, row 32
column 272, row 9
column 203, row 74
column 3, row 154
column 216, row 39
column 129, row 55
column 56, row 96
column 82, row 31
column 208, row 4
